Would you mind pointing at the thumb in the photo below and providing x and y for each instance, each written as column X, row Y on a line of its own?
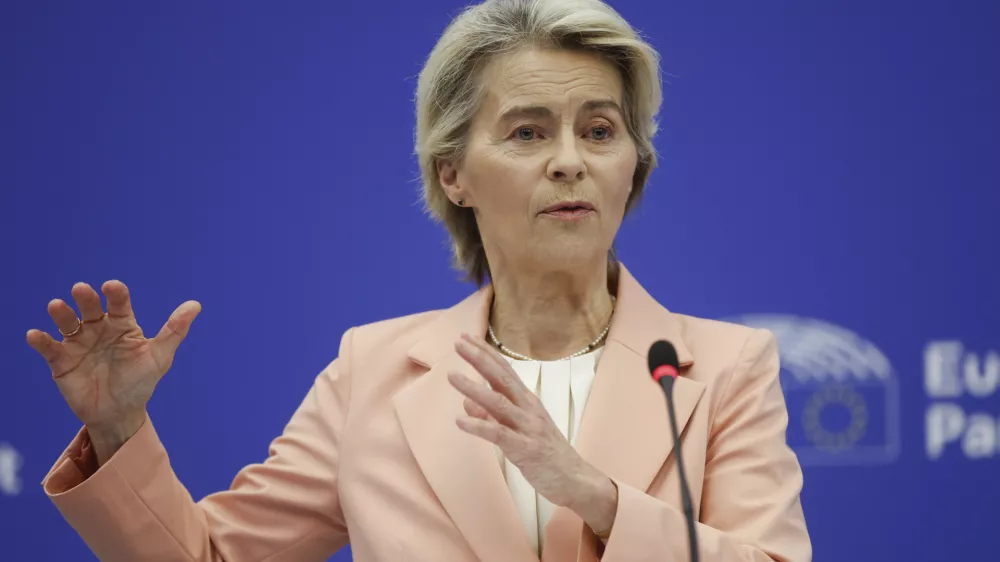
column 174, row 331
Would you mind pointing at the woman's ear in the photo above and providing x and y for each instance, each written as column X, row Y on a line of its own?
column 448, row 176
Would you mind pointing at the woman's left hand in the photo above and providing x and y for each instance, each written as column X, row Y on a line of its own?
column 513, row 418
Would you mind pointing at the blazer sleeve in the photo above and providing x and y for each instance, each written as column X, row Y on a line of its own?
column 286, row 508
column 750, row 508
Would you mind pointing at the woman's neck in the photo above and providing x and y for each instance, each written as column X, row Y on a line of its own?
column 550, row 314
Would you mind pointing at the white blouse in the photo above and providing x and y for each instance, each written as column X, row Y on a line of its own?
column 563, row 387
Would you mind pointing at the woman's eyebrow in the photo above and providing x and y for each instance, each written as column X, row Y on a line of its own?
column 593, row 105
column 519, row 111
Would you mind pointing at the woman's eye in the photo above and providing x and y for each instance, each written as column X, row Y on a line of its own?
column 600, row 133
column 525, row 134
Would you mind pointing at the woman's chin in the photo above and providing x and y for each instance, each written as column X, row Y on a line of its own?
column 570, row 256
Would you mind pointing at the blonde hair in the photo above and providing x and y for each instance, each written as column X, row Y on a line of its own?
column 449, row 93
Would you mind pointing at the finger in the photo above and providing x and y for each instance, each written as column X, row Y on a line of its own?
column 88, row 301
column 119, row 299
column 523, row 396
column 175, row 330
column 494, row 369
column 63, row 315
column 489, row 353
column 47, row 347
column 493, row 403
column 498, row 434
column 475, row 410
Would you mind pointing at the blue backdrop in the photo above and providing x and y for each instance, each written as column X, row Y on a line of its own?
column 828, row 169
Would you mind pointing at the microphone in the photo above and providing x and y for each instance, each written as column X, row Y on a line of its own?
column 664, row 367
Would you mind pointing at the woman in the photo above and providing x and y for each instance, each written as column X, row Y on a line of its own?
column 519, row 423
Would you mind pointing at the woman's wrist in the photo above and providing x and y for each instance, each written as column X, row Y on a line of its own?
column 598, row 503
column 107, row 440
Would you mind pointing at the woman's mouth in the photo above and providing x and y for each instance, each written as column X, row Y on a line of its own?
column 573, row 211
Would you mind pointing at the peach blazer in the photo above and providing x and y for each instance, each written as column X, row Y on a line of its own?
column 373, row 458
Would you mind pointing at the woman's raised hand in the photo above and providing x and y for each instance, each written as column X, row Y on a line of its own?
column 104, row 366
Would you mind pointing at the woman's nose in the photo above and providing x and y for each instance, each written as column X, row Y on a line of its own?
column 567, row 164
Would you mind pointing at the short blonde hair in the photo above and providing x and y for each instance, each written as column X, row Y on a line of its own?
column 449, row 93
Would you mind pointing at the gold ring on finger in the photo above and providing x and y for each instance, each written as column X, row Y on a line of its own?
column 79, row 326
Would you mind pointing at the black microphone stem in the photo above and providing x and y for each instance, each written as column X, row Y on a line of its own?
column 668, row 388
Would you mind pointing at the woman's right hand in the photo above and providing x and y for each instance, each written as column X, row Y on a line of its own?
column 106, row 369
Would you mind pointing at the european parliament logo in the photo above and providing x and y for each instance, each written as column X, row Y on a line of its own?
column 841, row 392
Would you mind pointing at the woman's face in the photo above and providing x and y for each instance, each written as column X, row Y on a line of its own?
column 549, row 163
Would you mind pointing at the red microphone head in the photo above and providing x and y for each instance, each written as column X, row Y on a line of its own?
column 663, row 360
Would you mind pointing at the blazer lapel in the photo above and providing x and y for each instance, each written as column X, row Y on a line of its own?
column 625, row 430
column 463, row 470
